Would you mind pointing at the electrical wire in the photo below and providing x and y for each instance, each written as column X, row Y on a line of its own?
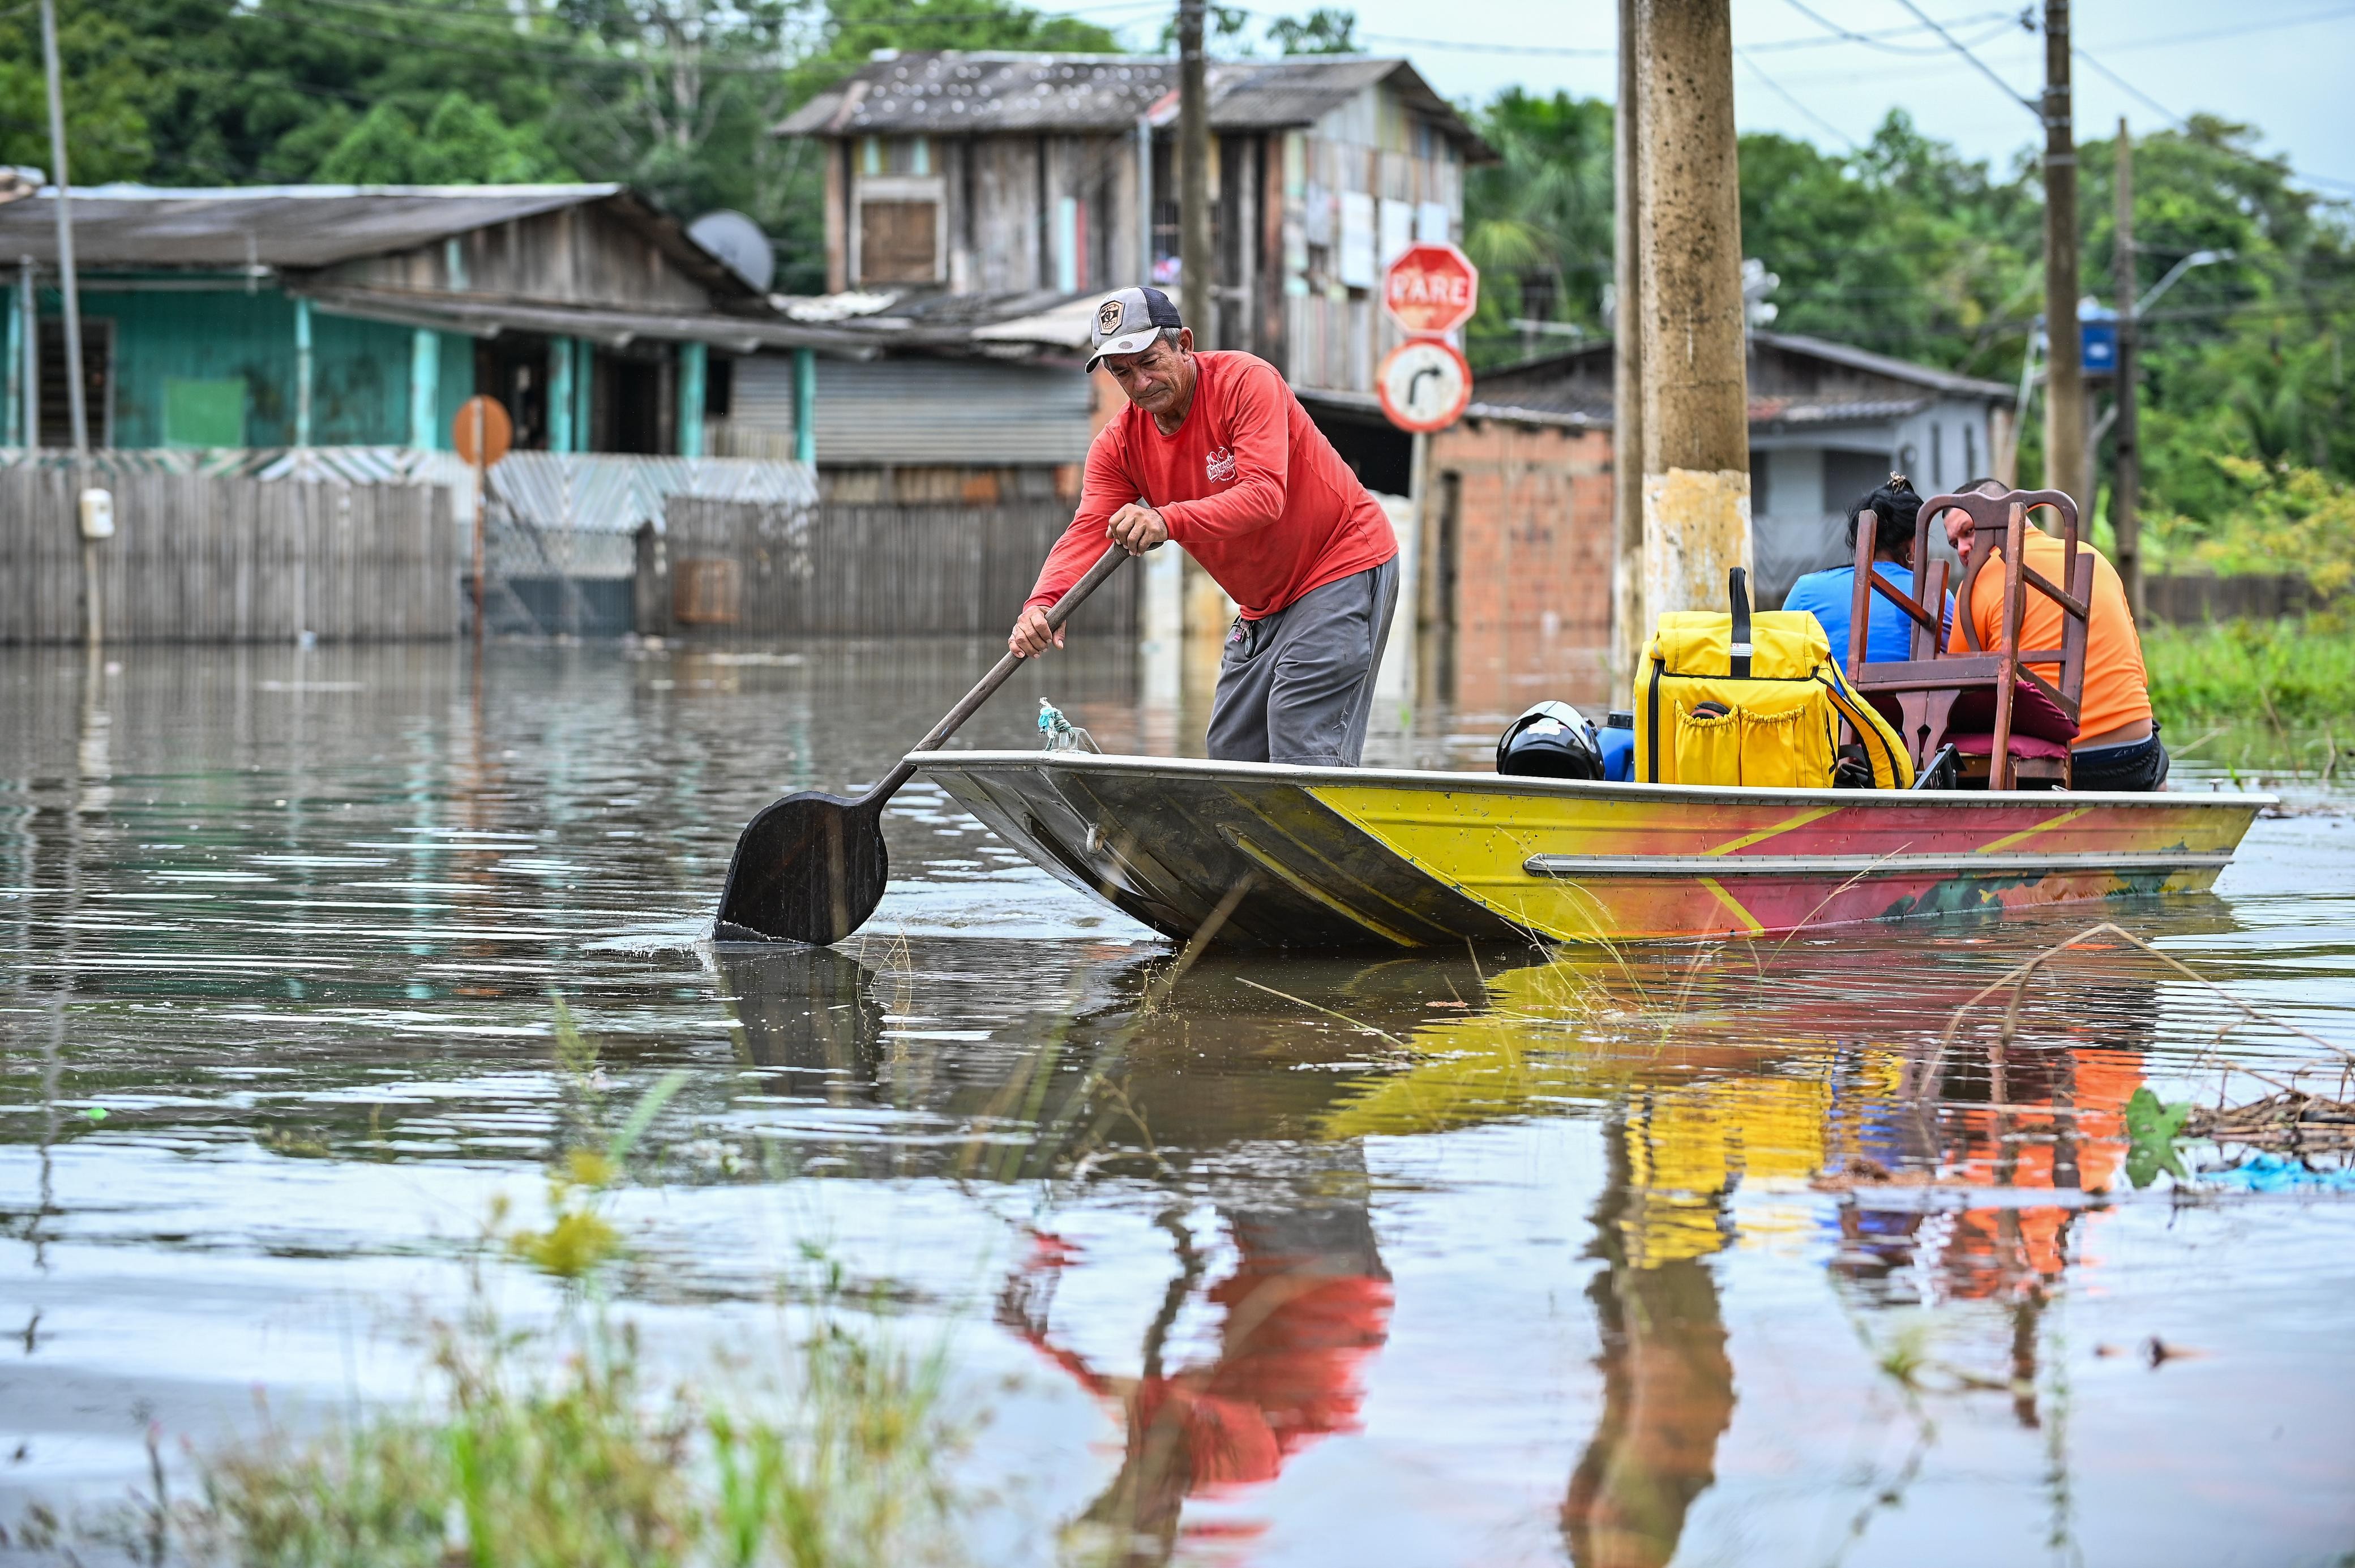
column 2005, row 20
column 2184, row 126
column 1956, row 45
column 2246, row 28
column 1784, row 94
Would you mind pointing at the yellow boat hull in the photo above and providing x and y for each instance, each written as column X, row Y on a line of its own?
column 1286, row 857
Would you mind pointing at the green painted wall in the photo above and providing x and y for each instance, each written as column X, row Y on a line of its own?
column 360, row 390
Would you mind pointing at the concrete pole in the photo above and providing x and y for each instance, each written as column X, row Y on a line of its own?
column 31, row 406
column 9, row 418
column 2125, row 486
column 93, row 607
column 2066, row 468
column 1696, row 451
column 1143, row 199
column 1629, row 627
column 1194, row 178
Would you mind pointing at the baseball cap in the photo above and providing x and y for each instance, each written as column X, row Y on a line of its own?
column 1127, row 322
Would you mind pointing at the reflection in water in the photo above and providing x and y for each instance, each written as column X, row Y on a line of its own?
column 1667, row 1384
column 283, row 932
column 1306, row 1300
column 806, row 1011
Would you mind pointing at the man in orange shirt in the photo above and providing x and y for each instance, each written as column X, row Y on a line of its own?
column 1214, row 451
column 2117, row 745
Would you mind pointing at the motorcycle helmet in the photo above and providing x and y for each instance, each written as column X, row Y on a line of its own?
column 1551, row 741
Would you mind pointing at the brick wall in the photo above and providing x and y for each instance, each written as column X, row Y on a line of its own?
column 1532, row 562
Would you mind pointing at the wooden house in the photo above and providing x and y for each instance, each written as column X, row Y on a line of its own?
column 299, row 316
column 1022, row 174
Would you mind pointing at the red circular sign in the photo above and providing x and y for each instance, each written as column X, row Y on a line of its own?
column 1425, row 385
column 481, row 432
column 1432, row 289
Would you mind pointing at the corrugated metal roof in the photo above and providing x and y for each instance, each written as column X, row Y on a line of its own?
column 1368, row 406
column 1810, row 411
column 1883, row 365
column 270, row 226
column 918, row 413
column 1592, row 361
column 488, row 318
column 947, row 92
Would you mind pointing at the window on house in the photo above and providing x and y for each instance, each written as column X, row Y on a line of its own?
column 899, row 241
column 97, row 381
column 895, row 155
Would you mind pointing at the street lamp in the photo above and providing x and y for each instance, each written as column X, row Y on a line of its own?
column 2175, row 275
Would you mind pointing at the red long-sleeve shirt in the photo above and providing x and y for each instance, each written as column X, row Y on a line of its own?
column 1248, row 484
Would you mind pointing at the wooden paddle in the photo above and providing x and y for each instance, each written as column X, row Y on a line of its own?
column 810, row 867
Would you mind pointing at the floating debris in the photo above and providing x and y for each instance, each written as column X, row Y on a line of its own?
column 2290, row 1119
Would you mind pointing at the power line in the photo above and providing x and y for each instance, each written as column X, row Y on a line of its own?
column 2006, row 21
column 1956, row 45
column 1782, row 93
column 2184, row 126
column 2245, row 28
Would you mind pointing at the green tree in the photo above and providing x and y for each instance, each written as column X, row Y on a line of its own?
column 107, row 132
column 1901, row 247
column 464, row 142
column 1326, row 30
column 1537, row 223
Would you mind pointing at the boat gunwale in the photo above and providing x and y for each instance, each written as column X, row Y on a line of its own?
column 1575, row 789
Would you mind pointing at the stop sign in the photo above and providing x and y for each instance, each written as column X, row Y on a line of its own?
column 1432, row 289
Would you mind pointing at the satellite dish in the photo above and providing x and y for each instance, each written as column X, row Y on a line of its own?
column 738, row 241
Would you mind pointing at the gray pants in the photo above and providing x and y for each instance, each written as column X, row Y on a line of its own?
column 1298, row 685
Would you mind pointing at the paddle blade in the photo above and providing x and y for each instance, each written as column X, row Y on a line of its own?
column 810, row 867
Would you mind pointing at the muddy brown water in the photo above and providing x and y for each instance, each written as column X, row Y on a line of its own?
column 1496, row 1257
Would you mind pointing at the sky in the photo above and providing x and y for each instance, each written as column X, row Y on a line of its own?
column 2281, row 65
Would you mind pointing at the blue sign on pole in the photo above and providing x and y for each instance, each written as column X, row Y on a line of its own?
column 2097, row 345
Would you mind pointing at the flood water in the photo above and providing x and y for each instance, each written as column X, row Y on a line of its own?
column 1485, row 1258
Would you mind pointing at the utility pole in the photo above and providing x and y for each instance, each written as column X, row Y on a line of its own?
column 93, row 608
column 2126, row 483
column 1628, row 625
column 1194, row 178
column 2067, row 467
column 1696, row 427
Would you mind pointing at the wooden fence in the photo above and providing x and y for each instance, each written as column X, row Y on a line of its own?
column 742, row 568
column 198, row 558
column 2190, row 600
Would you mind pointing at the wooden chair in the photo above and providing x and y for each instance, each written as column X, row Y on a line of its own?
column 2010, row 724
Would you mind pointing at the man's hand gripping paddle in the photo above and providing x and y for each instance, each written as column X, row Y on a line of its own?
column 810, row 867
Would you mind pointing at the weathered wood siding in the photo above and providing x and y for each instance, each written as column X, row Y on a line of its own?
column 1336, row 334
column 199, row 559
column 577, row 255
column 756, row 571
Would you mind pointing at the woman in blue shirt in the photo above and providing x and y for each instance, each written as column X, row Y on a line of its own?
column 1828, row 595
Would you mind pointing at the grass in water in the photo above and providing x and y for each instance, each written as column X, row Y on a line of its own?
column 558, row 1449
column 518, row 1461
column 2284, row 672
column 2268, row 693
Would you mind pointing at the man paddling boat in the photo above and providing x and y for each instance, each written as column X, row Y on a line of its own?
column 1214, row 453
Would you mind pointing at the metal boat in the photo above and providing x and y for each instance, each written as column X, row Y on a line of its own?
column 1270, row 856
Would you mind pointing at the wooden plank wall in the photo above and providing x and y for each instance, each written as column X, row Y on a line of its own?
column 878, row 570
column 196, row 558
column 2190, row 600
